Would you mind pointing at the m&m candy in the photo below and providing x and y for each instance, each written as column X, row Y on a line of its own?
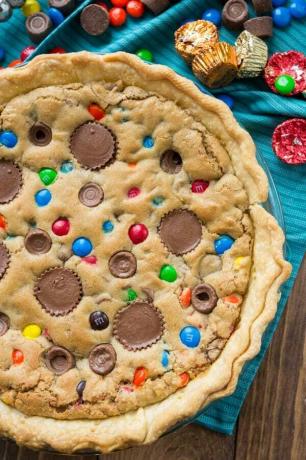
column 32, row 331
column 133, row 192
column 26, row 52
column 165, row 358
column 140, row 376
column 190, row 336
column 184, row 379
column 130, row 295
column 199, row 186
column 213, row 15
column 135, row 8
column 30, row 7
column 148, row 142
column 168, row 273
column 96, row 111
column 145, row 55
column 43, row 197
column 138, row 233
column 98, row 320
column 61, row 227
column 107, row 226
column 8, row 139
column 117, row 16
column 17, row 357
column 66, row 167
column 47, row 175
column 284, row 84
column 82, row 247
column 281, row 17
column 223, row 243
column 298, row 9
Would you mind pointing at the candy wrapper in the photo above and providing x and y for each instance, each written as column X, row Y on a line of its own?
column 289, row 63
column 289, row 141
column 194, row 36
column 217, row 65
column 252, row 55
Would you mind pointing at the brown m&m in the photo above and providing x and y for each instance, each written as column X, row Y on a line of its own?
column 181, row 231
column 94, row 19
column 91, row 195
column 204, row 298
column 59, row 360
column 194, row 36
column 4, row 259
column 4, row 323
column 102, row 359
column 93, row 145
column 122, row 264
column 234, row 14
column 10, row 181
column 37, row 241
column 38, row 26
column 59, row 291
column 138, row 326
column 216, row 66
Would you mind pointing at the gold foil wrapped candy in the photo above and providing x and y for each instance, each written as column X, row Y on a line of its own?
column 252, row 55
column 216, row 65
column 194, row 36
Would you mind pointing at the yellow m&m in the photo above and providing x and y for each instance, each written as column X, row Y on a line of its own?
column 239, row 261
column 31, row 331
column 30, row 7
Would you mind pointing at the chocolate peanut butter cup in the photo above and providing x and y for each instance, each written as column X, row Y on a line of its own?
column 102, row 359
column 4, row 259
column 59, row 360
column 10, row 180
column 37, row 241
column 204, row 298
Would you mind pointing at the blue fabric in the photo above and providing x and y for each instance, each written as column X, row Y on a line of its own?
column 257, row 109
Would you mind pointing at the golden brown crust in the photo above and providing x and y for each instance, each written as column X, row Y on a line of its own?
column 268, row 272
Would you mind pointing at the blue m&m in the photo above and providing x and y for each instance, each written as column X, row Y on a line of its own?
column 165, row 358
column 8, row 139
column 67, row 167
column 223, row 243
column 2, row 54
column 107, row 226
column 298, row 9
column 148, row 142
column 213, row 15
column 81, row 247
column 43, row 197
column 281, row 17
column 190, row 336
column 277, row 3
column 56, row 16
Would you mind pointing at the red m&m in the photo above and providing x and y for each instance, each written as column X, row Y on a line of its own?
column 61, row 227
column 135, row 8
column 96, row 111
column 140, row 376
column 199, row 186
column 133, row 192
column 117, row 16
column 138, row 233
column 17, row 357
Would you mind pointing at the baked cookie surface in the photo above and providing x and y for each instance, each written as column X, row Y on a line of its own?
column 135, row 259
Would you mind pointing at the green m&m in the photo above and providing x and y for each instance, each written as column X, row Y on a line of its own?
column 47, row 175
column 168, row 273
column 130, row 295
column 145, row 55
column 284, row 84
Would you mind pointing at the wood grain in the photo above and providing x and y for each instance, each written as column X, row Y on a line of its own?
column 273, row 419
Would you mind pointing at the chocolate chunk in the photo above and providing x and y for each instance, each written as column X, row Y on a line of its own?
column 80, row 388
column 98, row 320
column 59, row 360
column 4, row 323
column 4, row 259
column 65, row 6
column 59, row 291
column 234, row 14
column 171, row 162
column 261, row 27
column 204, row 298
column 37, row 241
column 10, row 181
column 94, row 19
column 122, row 264
column 181, row 231
column 262, row 7
column 40, row 134
column 91, row 194
column 38, row 26
column 102, row 359
column 93, row 145
column 138, row 326
column 156, row 6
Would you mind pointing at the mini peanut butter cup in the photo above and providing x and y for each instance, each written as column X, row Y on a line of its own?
column 204, row 298
column 180, row 231
column 122, row 264
column 138, row 326
column 91, row 195
column 59, row 360
column 102, row 359
column 59, row 291
column 171, row 162
column 37, row 241
column 40, row 134
column 4, row 260
column 10, row 180
column 93, row 145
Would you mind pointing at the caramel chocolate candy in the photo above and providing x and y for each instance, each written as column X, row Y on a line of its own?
column 37, row 241
column 4, row 259
column 171, row 162
column 234, row 14
column 122, row 264
column 40, row 134
column 204, row 298
column 262, row 7
column 10, row 181
column 65, row 6
column 59, row 360
column 261, row 27
column 180, row 231
column 91, row 195
column 194, row 36
column 156, row 6
column 94, row 19
column 216, row 66
column 38, row 26
column 102, row 359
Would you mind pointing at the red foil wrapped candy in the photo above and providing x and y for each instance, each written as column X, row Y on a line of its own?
column 289, row 63
column 289, row 141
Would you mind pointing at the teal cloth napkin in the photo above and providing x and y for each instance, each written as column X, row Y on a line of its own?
column 257, row 109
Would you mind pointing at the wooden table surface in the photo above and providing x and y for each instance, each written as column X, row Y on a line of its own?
column 272, row 421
